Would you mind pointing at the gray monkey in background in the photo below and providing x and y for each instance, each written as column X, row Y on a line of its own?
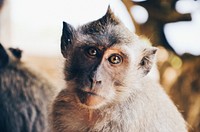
column 24, row 94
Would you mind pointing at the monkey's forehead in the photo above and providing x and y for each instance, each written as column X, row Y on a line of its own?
column 109, row 36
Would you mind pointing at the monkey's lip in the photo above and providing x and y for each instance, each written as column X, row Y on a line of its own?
column 89, row 98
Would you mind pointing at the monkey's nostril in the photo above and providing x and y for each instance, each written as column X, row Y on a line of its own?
column 91, row 82
column 98, row 82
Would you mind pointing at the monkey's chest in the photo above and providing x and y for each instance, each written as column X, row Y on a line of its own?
column 85, row 121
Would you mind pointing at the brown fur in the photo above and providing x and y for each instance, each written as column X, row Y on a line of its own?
column 101, row 96
column 185, row 92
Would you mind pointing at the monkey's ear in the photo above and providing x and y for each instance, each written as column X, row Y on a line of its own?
column 66, row 38
column 109, row 17
column 4, row 58
column 16, row 52
column 147, row 61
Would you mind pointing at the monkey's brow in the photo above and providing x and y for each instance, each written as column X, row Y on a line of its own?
column 100, row 48
column 87, row 43
column 124, row 54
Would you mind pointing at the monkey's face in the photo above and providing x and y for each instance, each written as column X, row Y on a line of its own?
column 97, row 74
column 100, row 59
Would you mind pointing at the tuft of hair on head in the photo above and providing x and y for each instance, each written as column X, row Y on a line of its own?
column 109, row 18
column 101, row 24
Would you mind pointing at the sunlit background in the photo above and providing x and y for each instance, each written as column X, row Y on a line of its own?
column 35, row 25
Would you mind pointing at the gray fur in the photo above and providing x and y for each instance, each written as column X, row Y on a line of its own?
column 24, row 95
column 132, row 101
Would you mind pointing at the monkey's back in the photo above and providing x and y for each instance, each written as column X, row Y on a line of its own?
column 24, row 97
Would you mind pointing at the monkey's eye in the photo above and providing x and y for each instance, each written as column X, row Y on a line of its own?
column 92, row 51
column 115, row 59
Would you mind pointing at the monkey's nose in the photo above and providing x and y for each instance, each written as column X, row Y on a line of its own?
column 94, row 82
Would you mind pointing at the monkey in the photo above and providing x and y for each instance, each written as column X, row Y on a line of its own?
column 108, row 88
column 1, row 3
column 24, row 94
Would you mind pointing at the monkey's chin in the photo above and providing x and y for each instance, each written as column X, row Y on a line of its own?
column 90, row 100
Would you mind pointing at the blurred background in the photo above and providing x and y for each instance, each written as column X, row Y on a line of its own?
column 171, row 25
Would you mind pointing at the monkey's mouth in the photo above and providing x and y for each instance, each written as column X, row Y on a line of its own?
column 89, row 98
